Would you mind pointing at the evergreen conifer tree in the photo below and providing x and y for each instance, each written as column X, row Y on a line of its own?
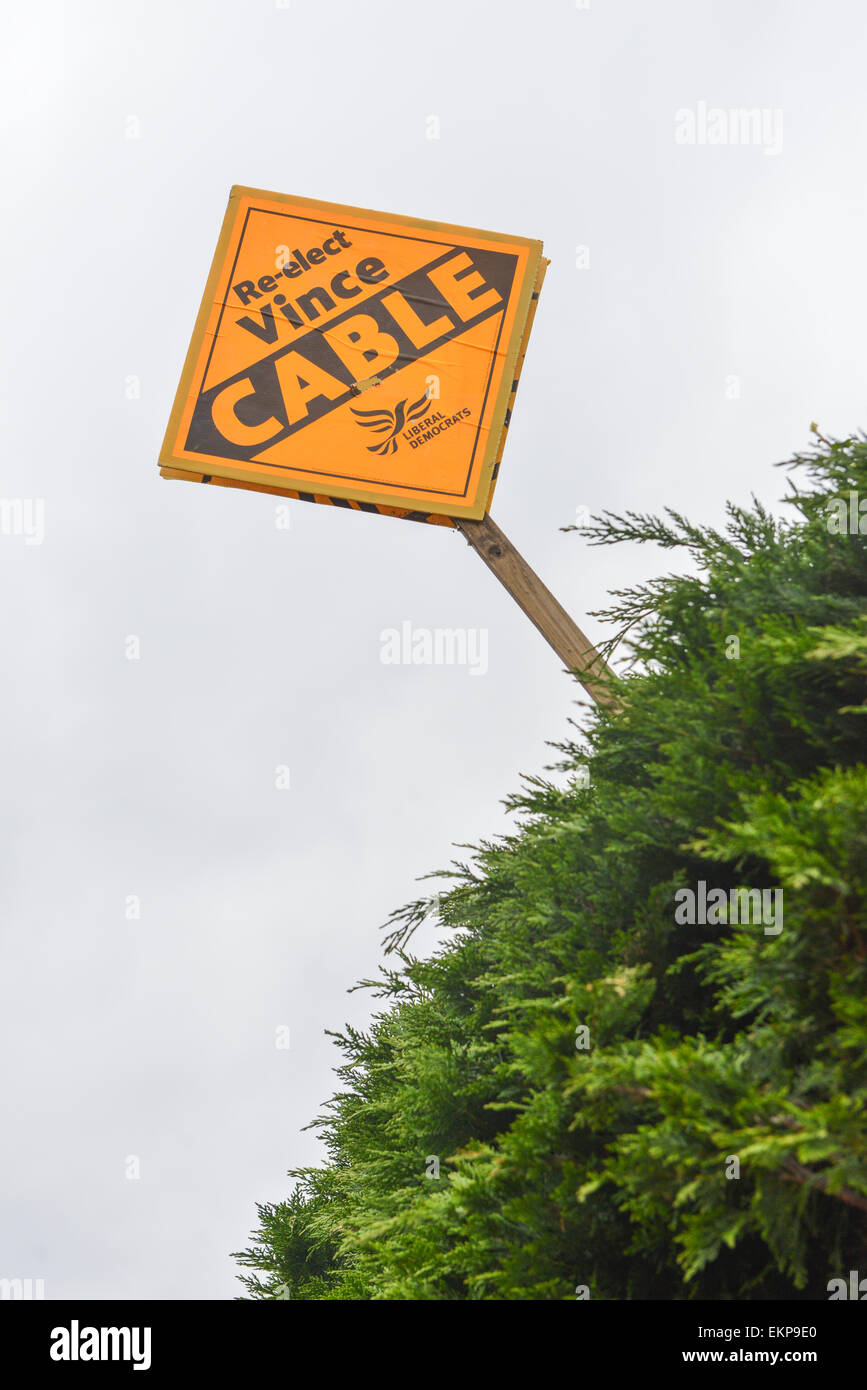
column 577, row 1090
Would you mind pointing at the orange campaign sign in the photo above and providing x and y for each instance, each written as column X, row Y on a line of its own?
column 354, row 358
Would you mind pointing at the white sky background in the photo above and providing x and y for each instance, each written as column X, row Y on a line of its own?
column 260, row 647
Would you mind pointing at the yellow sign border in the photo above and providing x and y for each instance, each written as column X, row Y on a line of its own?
column 182, row 464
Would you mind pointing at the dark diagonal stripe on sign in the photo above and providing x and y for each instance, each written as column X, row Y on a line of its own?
column 316, row 372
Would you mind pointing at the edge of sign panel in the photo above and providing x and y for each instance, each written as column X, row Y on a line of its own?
column 229, row 474
column 516, row 375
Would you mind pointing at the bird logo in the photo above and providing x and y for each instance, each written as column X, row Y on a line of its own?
column 390, row 422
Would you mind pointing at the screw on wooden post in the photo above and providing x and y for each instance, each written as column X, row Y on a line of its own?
column 540, row 606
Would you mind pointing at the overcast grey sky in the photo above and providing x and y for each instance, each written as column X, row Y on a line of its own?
column 716, row 311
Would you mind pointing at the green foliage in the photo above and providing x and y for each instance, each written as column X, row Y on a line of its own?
column 584, row 1068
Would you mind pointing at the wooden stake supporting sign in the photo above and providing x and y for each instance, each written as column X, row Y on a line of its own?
column 536, row 600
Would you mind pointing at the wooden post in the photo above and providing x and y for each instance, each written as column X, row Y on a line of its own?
column 540, row 605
